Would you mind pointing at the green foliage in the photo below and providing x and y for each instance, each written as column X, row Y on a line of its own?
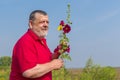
column 64, row 74
column 96, row 72
column 66, row 56
column 68, row 14
column 4, row 72
column 90, row 72
column 5, row 61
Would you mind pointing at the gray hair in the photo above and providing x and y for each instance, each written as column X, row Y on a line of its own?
column 32, row 15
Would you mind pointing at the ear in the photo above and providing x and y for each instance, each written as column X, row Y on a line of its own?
column 30, row 24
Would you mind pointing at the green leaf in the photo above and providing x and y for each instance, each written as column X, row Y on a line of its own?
column 65, row 56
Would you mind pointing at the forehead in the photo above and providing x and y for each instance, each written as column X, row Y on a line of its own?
column 39, row 16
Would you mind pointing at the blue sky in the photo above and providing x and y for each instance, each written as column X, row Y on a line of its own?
column 95, row 29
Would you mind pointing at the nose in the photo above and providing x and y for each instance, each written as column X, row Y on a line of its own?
column 46, row 22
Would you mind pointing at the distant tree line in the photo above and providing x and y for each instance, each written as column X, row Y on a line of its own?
column 5, row 61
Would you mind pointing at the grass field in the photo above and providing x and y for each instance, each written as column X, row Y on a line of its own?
column 79, row 70
column 118, row 72
column 73, row 74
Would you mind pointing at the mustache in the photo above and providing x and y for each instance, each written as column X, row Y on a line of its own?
column 45, row 27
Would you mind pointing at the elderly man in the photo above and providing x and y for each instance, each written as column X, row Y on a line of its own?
column 32, row 59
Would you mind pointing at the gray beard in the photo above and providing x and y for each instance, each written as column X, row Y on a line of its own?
column 43, row 34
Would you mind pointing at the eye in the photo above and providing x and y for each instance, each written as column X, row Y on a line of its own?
column 44, row 22
column 41, row 22
column 47, row 22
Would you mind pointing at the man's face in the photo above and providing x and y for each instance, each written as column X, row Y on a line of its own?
column 40, row 25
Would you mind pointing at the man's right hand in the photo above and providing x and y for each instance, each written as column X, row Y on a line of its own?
column 57, row 63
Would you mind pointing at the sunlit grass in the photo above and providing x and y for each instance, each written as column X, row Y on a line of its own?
column 62, row 74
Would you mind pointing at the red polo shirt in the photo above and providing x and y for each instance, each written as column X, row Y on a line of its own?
column 29, row 51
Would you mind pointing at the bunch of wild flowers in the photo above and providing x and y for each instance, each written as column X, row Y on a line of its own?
column 64, row 47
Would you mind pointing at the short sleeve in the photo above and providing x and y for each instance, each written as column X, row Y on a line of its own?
column 26, row 55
